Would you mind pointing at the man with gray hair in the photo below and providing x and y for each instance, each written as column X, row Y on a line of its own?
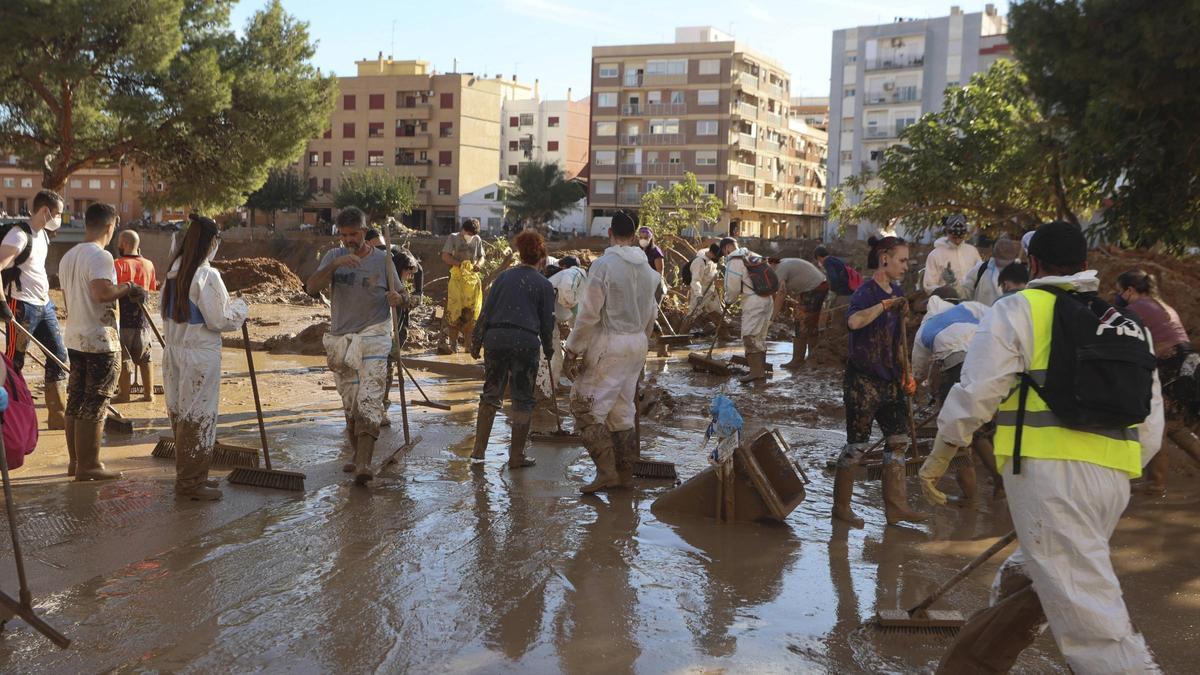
column 135, row 343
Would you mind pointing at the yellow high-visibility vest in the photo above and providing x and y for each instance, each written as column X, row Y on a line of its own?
column 1043, row 435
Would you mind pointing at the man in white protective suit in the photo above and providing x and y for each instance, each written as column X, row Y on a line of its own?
column 756, row 309
column 606, row 353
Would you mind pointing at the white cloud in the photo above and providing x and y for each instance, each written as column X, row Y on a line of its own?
column 758, row 12
column 560, row 12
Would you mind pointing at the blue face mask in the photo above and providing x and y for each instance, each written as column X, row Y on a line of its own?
column 1119, row 301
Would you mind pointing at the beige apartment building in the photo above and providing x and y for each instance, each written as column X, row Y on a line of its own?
column 402, row 117
column 120, row 185
column 703, row 104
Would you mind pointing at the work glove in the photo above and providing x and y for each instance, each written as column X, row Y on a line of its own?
column 572, row 366
column 5, row 312
column 910, row 385
column 934, row 468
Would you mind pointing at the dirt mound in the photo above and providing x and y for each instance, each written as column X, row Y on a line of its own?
column 258, row 276
column 1178, row 279
column 307, row 342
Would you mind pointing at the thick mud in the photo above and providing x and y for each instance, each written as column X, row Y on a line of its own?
column 442, row 566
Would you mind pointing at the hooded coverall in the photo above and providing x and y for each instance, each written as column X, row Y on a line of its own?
column 949, row 263
column 568, row 285
column 192, row 368
column 756, row 309
column 1065, row 502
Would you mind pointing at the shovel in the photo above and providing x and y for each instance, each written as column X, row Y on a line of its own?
column 706, row 363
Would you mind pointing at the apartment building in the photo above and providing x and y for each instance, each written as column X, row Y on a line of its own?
column 883, row 78
column 534, row 130
column 704, row 104
column 402, row 117
column 120, row 185
column 812, row 110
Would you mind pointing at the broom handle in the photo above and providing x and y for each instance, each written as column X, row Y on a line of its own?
column 962, row 574
column 554, row 393
column 392, row 317
column 153, row 326
column 262, row 428
column 53, row 357
column 905, row 366
column 666, row 321
column 717, row 333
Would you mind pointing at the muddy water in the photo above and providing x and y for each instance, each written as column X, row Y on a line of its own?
column 444, row 566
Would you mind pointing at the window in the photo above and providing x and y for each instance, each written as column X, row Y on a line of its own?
column 552, row 122
column 374, row 158
column 606, row 128
column 607, row 99
column 8, row 182
column 526, row 119
column 493, row 222
column 446, row 101
column 669, row 126
column 26, row 182
column 325, row 186
column 375, row 102
column 348, row 102
column 512, row 169
column 514, row 121
column 375, row 129
column 443, row 158
column 708, row 97
column 604, row 187
column 848, row 92
column 348, row 130
column 314, row 158
column 328, row 133
column 952, row 83
column 443, row 186
column 327, row 158
column 125, row 183
column 312, row 184
column 666, row 67
column 608, row 70
column 112, row 185
column 424, row 157
column 552, row 146
column 710, row 66
column 710, row 187
column 706, row 128
column 347, row 158
column 652, row 98
column 606, row 158
column 677, row 97
column 706, row 158
column 851, row 58
column 94, row 184
column 75, row 183
column 513, row 145
column 847, row 155
column 405, row 129
column 445, row 129
column 675, row 157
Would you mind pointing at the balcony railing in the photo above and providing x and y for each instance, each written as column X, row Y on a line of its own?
column 666, row 108
column 893, row 63
column 416, row 111
column 747, row 141
column 743, row 170
column 652, row 169
column 900, row 95
column 771, row 118
column 747, row 80
column 632, row 79
column 652, row 139
column 775, row 89
column 880, row 132
column 630, row 197
column 665, row 78
column 417, row 140
column 632, row 109
column 746, row 110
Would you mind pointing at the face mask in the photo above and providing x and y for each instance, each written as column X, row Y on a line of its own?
column 212, row 252
column 54, row 223
column 1119, row 301
column 643, row 242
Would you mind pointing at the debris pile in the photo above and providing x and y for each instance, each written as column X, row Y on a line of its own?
column 308, row 341
column 264, row 279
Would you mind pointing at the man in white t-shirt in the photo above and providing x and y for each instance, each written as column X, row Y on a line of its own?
column 93, row 339
column 26, row 296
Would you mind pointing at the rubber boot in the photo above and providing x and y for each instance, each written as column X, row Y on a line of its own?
column 363, row 449
column 758, row 367
column 124, row 383
column 843, row 489
column 969, row 487
column 599, row 444
column 70, row 434
column 520, row 433
column 348, row 466
column 147, row 371
column 895, row 496
column 449, row 343
column 56, row 403
column 994, row 637
column 624, row 454
column 799, row 351
column 87, row 452
column 468, row 334
column 483, row 431
column 191, row 465
column 1155, row 483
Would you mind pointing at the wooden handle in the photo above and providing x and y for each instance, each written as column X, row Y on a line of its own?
column 717, row 332
column 391, row 286
column 962, row 574
column 262, row 428
column 153, row 326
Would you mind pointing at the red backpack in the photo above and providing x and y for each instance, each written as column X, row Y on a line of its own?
column 853, row 278
column 20, row 424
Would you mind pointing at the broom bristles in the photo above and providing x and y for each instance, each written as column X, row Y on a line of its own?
column 267, row 478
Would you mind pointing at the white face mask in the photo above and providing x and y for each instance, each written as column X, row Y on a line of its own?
column 54, row 223
column 644, row 242
column 212, row 252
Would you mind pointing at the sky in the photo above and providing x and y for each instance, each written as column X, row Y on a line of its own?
column 551, row 40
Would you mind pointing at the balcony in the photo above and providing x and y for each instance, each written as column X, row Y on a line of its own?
column 895, row 63
column 746, row 110
column 775, row 90
column 745, row 201
column 771, row 119
column 630, row 197
column 652, row 139
column 665, row 109
column 746, row 141
column 633, row 79
column 881, row 133
column 767, row 174
column 900, row 95
column 417, row 168
column 422, row 197
column 632, row 109
column 743, row 170
column 747, row 81
column 417, row 141
column 665, row 78
column 416, row 111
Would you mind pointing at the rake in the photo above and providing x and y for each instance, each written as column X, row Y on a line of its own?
column 268, row 477
column 921, row 619
column 114, row 420
column 706, row 363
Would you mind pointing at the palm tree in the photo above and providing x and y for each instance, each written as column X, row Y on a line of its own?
column 541, row 194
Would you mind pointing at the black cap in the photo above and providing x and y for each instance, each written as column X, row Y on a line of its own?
column 715, row 250
column 568, row 261
column 1059, row 243
column 372, row 233
column 727, row 240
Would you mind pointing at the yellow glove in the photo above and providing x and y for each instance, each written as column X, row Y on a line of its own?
column 934, row 468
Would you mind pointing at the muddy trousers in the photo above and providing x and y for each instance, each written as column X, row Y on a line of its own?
column 359, row 366
column 193, row 452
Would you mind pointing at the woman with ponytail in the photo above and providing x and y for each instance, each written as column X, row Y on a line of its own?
column 196, row 309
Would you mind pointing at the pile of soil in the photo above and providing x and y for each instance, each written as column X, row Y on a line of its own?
column 307, row 342
column 1178, row 278
column 259, row 276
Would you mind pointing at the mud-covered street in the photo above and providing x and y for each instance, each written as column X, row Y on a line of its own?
column 445, row 566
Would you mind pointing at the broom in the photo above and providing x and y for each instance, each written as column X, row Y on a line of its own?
column 921, row 619
column 560, row 435
column 268, row 477
column 707, row 363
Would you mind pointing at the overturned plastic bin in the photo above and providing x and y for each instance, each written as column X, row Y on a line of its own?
column 760, row 483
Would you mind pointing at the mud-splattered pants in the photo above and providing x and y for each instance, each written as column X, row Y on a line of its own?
column 359, row 365
column 870, row 399
column 91, row 384
column 606, row 391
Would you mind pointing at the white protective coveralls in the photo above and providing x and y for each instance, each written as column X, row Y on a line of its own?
column 756, row 309
column 568, row 285
column 702, row 292
column 611, row 333
column 958, row 259
column 982, row 283
column 950, row 343
column 1064, row 511
column 192, row 368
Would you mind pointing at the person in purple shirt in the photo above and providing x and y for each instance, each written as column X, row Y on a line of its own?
column 874, row 389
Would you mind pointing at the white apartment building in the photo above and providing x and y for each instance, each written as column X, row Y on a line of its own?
column 533, row 130
column 883, row 78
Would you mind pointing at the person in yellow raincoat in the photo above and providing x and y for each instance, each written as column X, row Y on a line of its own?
column 463, row 253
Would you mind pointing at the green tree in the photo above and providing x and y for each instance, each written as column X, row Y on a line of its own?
column 285, row 188
column 166, row 84
column 378, row 193
column 989, row 154
column 667, row 211
column 1120, row 77
column 541, row 194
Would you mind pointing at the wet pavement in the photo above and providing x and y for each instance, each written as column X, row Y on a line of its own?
column 445, row 566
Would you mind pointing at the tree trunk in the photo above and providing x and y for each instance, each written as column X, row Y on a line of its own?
column 1060, row 195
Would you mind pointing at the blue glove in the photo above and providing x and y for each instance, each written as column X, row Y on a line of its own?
column 3, row 399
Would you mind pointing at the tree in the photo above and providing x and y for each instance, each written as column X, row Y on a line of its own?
column 166, row 84
column 989, row 154
column 667, row 211
column 541, row 194
column 285, row 188
column 1121, row 79
column 378, row 193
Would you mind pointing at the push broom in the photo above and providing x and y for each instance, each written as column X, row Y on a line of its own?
column 224, row 454
column 409, row 441
column 707, row 363
column 254, row 476
column 559, row 435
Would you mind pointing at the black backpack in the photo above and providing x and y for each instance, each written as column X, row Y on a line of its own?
column 685, row 272
column 12, row 274
column 1101, row 370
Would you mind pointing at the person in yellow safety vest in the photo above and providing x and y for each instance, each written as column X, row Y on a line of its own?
column 1066, row 499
